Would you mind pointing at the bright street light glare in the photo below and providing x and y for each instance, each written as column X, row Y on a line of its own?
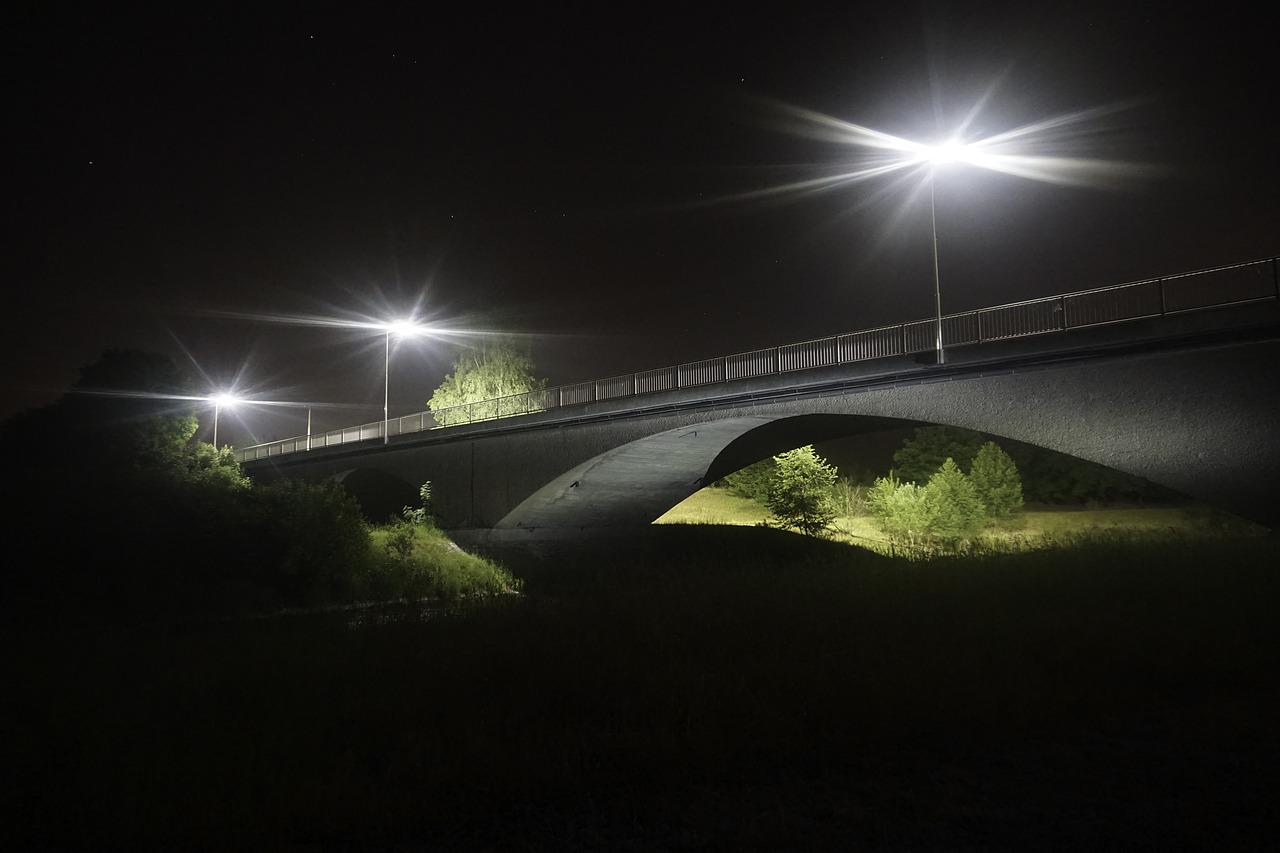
column 1036, row 151
column 223, row 398
column 405, row 328
column 947, row 152
column 401, row 329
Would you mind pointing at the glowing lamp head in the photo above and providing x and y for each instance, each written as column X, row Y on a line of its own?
column 950, row 151
column 404, row 328
column 224, row 399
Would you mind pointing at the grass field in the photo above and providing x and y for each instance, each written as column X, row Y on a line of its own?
column 718, row 506
column 702, row 688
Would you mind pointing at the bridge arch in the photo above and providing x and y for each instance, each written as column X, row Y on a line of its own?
column 635, row 483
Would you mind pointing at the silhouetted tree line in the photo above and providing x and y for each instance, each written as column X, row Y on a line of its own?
column 1047, row 477
column 116, row 508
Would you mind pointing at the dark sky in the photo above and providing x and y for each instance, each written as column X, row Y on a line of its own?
column 574, row 176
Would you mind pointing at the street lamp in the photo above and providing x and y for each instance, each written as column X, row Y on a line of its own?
column 219, row 400
column 938, row 155
column 1022, row 152
column 402, row 328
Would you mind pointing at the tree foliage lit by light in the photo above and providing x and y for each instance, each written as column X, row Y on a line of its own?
column 481, row 378
column 800, row 491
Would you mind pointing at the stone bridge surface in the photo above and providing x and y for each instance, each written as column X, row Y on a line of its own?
column 1198, row 415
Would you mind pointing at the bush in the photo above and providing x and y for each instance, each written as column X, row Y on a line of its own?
column 946, row 508
column 901, row 507
column 850, row 497
column 312, row 542
column 411, row 561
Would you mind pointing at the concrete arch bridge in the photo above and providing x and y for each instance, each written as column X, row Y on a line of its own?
column 1190, row 401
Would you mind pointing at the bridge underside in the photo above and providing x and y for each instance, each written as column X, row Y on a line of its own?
column 633, row 484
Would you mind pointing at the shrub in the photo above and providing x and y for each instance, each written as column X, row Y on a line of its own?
column 946, row 508
column 850, row 498
column 901, row 507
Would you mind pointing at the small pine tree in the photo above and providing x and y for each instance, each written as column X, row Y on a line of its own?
column 800, row 491
column 955, row 509
column 996, row 478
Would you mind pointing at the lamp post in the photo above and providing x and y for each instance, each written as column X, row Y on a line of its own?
column 1019, row 152
column 937, row 155
column 220, row 400
column 404, row 328
column 937, row 279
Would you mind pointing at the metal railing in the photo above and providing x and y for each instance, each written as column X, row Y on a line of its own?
column 1194, row 291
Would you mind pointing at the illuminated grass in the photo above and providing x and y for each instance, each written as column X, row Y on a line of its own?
column 1031, row 529
column 714, row 506
column 730, row 688
column 435, row 568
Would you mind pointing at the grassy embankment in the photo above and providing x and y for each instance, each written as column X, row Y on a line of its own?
column 428, row 565
column 719, row 506
column 708, row 688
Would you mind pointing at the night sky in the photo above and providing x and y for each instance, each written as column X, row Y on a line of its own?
column 587, row 179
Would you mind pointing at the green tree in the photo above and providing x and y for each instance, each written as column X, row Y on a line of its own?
column 995, row 477
column 800, row 491
column 919, row 457
column 954, row 509
column 204, row 463
column 494, row 381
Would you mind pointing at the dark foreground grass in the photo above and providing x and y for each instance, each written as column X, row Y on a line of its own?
column 711, row 689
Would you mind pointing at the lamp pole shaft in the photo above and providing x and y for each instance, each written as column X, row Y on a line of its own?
column 216, row 408
column 386, row 391
column 937, row 283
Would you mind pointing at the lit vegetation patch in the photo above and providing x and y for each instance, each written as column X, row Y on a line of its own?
column 1030, row 530
column 416, row 561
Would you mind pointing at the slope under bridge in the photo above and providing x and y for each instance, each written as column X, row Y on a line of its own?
column 1176, row 380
